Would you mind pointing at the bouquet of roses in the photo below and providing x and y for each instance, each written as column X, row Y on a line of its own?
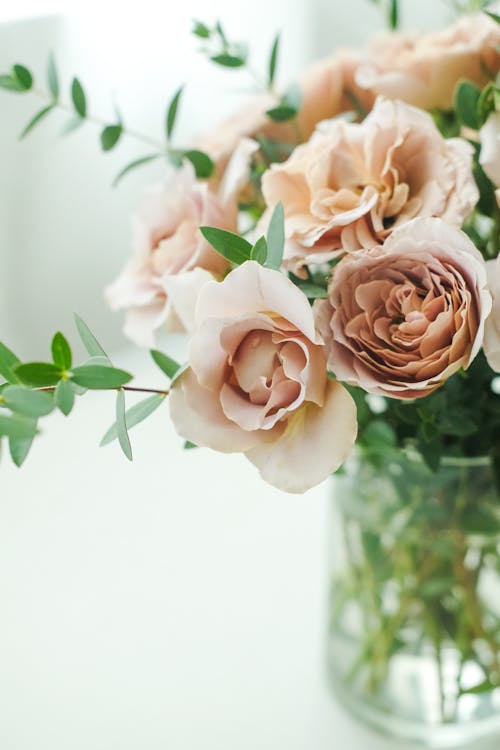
column 331, row 251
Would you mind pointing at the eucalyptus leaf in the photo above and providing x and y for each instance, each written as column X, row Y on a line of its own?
column 24, row 76
column 40, row 115
column 64, row 396
column 53, row 78
column 282, row 113
column 121, row 425
column 110, row 136
column 273, row 59
column 61, row 352
column 202, row 163
column 166, row 364
column 38, row 374
column 259, row 251
column 276, row 238
column 172, row 112
column 8, row 361
column 228, row 61
column 466, row 104
column 90, row 342
column 231, row 246
column 134, row 165
column 98, row 377
column 19, row 449
column 201, row 30
column 136, row 414
column 29, row 403
column 78, row 98
column 17, row 427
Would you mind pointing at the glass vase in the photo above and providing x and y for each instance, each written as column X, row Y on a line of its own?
column 414, row 626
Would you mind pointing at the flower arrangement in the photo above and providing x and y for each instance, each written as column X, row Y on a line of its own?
column 332, row 253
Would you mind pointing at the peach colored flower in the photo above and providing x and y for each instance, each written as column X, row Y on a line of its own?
column 491, row 343
column 352, row 184
column 423, row 70
column 257, row 381
column 489, row 158
column 400, row 319
column 171, row 260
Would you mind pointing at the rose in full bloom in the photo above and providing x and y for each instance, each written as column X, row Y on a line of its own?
column 171, row 259
column 423, row 70
column 400, row 319
column 258, row 384
column 489, row 158
column 491, row 343
column 352, row 184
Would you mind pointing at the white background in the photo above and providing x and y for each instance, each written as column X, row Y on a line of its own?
column 175, row 603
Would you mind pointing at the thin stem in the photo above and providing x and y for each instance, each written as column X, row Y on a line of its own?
column 99, row 122
column 123, row 388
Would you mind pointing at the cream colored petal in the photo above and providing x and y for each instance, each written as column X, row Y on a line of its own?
column 314, row 443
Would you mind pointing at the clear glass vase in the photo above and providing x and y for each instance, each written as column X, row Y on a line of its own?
column 414, row 630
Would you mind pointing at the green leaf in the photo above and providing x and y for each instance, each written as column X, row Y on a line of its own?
column 201, row 162
column 10, row 83
column 90, row 342
column 19, row 449
column 312, row 291
column 273, row 59
column 172, row 112
column 98, row 377
column 71, row 125
column 78, row 98
column 276, row 238
column 35, row 120
column 64, row 396
column 259, row 251
column 24, row 76
column 136, row 414
column 53, row 78
column 492, row 15
column 466, row 104
column 231, row 246
column 201, row 30
column 17, row 427
column 121, row 425
column 61, row 352
column 393, row 14
column 282, row 113
column 167, row 365
column 38, row 374
column 27, row 402
column 228, row 61
column 188, row 445
column 8, row 361
column 487, row 200
column 134, row 165
column 110, row 136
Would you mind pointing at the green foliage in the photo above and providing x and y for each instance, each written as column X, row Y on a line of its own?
column 110, row 136
column 201, row 30
column 100, row 377
column 228, row 61
column 38, row 374
column 220, row 50
column 61, row 352
column 89, row 341
column 8, row 362
column 134, row 165
column 466, row 102
column 19, row 80
column 64, row 396
column 231, row 246
column 17, row 427
column 38, row 117
column 172, row 112
column 167, row 365
column 259, row 251
column 276, row 238
column 312, row 291
column 202, row 163
column 288, row 107
column 273, row 60
column 22, row 400
column 121, row 425
column 393, row 15
column 135, row 415
column 78, row 98
column 53, row 78
column 19, row 449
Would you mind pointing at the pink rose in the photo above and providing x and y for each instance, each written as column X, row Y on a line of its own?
column 423, row 70
column 171, row 260
column 352, row 184
column 400, row 319
column 257, row 381
column 491, row 342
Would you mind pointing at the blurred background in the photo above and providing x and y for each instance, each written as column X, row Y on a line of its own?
column 176, row 602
